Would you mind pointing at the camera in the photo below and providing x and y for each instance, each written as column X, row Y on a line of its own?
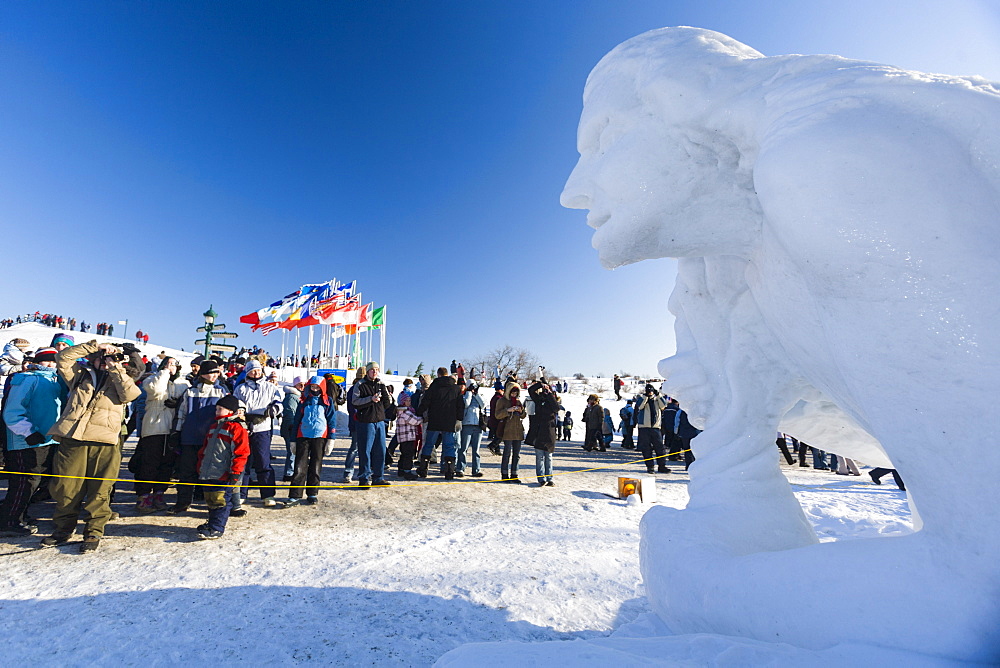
column 117, row 357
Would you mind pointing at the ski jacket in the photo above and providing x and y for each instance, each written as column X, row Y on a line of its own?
column 11, row 360
column 197, row 410
column 371, row 400
column 442, row 405
column 158, row 418
column 407, row 425
column 32, row 405
column 316, row 416
column 95, row 405
column 289, row 405
column 474, row 406
column 542, row 427
column 263, row 400
column 648, row 411
column 225, row 451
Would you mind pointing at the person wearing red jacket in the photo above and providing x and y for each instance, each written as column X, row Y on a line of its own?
column 221, row 461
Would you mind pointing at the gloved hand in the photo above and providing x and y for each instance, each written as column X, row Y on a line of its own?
column 328, row 450
column 35, row 438
column 232, row 478
column 171, row 403
column 274, row 411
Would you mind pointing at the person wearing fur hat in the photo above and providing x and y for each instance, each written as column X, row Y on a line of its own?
column 89, row 431
column 593, row 418
column 510, row 413
column 30, row 409
column 263, row 401
column 164, row 390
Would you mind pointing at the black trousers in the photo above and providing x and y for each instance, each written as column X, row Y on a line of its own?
column 308, row 467
column 21, row 487
column 156, row 462
column 784, row 450
column 186, row 471
column 650, row 443
column 407, row 453
column 877, row 473
column 627, row 440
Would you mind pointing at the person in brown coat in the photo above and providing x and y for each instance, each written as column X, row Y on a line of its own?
column 510, row 413
column 89, row 435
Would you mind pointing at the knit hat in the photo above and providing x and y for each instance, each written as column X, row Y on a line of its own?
column 253, row 364
column 62, row 337
column 21, row 344
column 297, row 380
column 371, row 365
column 45, row 355
column 230, row 403
column 198, row 360
column 207, row 367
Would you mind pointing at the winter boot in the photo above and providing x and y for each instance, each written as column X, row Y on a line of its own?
column 144, row 505
column 449, row 468
column 159, row 503
column 425, row 461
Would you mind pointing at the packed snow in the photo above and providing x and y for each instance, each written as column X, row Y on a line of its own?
column 835, row 222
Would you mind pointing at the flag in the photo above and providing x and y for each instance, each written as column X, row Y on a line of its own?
column 289, row 307
column 378, row 317
column 123, row 322
column 361, row 320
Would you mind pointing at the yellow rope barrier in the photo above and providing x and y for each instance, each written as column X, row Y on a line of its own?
column 423, row 484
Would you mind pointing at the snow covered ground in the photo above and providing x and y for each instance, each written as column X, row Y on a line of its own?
column 395, row 576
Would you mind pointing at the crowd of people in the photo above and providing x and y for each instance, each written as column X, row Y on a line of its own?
column 69, row 407
column 60, row 322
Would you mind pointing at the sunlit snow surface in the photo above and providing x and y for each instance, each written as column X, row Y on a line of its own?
column 836, row 222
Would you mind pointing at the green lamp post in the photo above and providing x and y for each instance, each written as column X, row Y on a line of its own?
column 210, row 316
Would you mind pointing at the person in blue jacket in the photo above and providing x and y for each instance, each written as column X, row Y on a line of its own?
column 315, row 421
column 31, row 408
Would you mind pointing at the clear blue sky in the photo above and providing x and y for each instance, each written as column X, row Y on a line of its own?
column 161, row 156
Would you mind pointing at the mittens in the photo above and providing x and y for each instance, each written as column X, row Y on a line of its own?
column 35, row 439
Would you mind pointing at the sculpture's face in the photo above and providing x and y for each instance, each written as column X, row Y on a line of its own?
column 653, row 183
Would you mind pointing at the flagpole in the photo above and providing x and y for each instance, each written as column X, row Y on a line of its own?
column 309, row 348
column 297, row 358
column 381, row 339
column 282, row 365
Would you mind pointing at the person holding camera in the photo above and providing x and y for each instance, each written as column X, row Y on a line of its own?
column 648, row 415
column 89, row 430
column 154, row 452
column 510, row 413
column 542, row 433
column 263, row 402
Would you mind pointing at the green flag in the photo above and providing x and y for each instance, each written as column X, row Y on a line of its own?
column 378, row 317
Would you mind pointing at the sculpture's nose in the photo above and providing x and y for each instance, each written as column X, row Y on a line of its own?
column 575, row 193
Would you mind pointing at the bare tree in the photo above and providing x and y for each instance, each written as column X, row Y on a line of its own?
column 507, row 358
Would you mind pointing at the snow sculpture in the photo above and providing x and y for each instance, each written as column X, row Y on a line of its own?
column 836, row 224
